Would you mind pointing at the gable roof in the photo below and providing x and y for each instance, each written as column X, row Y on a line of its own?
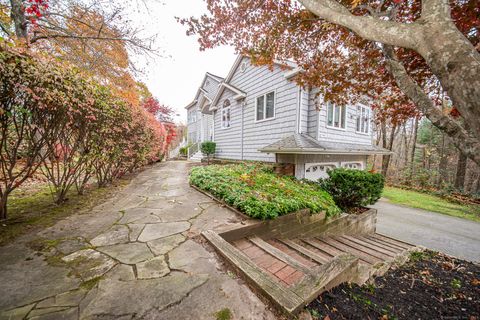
column 303, row 144
column 202, row 91
column 239, row 93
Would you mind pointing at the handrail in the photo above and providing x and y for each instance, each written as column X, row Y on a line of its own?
column 192, row 150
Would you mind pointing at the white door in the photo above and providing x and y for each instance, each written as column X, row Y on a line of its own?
column 315, row 171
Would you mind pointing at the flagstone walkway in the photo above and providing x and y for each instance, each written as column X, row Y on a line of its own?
column 137, row 256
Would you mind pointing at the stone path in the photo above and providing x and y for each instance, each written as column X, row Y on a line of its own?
column 137, row 256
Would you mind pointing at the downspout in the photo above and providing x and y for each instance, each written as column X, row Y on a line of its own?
column 241, row 134
column 299, row 109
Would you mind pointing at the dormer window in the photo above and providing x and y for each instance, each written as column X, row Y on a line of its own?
column 226, row 114
column 336, row 116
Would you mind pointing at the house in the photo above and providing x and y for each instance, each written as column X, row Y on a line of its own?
column 262, row 114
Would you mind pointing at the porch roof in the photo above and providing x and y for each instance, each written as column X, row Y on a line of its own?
column 303, row 144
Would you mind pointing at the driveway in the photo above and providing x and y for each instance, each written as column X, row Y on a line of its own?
column 455, row 236
column 137, row 256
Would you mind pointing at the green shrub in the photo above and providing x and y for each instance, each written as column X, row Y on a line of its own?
column 353, row 188
column 184, row 151
column 256, row 191
column 208, row 149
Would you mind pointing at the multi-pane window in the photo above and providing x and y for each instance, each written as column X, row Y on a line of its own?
column 226, row 114
column 336, row 116
column 265, row 106
column 192, row 116
column 363, row 119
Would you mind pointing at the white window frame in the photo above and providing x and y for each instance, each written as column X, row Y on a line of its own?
column 363, row 114
column 308, row 165
column 265, row 106
column 343, row 119
column 226, row 108
column 343, row 164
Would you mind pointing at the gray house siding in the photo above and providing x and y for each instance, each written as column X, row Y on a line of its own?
column 304, row 111
column 228, row 140
column 347, row 135
column 256, row 81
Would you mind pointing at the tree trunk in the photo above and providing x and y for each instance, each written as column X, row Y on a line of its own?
column 3, row 206
column 448, row 53
column 460, row 136
column 414, row 147
column 386, row 158
column 18, row 16
column 461, row 170
column 442, row 166
column 456, row 63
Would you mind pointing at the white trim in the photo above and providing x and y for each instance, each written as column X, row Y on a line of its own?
column 299, row 108
column 344, row 119
column 342, row 163
column 369, row 117
column 191, row 104
column 309, row 165
column 265, row 106
column 239, row 94
column 229, row 108
column 292, row 73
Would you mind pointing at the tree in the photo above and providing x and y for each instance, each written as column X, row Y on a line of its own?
column 353, row 49
column 208, row 149
column 162, row 112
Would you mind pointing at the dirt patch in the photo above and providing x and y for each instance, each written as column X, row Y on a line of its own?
column 430, row 286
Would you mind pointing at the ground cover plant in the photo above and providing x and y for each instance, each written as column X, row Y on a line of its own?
column 430, row 286
column 255, row 190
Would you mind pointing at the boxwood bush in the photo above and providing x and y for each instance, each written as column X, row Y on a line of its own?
column 353, row 188
column 256, row 191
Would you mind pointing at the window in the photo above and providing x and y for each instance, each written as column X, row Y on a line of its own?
column 226, row 114
column 363, row 119
column 192, row 116
column 336, row 116
column 265, row 106
column 352, row 165
column 243, row 66
column 315, row 171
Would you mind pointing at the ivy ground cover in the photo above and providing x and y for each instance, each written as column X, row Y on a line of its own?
column 256, row 191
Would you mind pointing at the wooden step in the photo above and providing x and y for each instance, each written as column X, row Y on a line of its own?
column 285, row 298
column 395, row 242
column 279, row 254
column 368, row 257
column 364, row 247
column 386, row 246
column 305, row 251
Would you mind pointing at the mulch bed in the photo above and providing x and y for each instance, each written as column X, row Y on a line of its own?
column 430, row 286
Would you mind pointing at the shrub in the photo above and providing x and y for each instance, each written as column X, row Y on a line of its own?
column 208, row 149
column 259, row 193
column 353, row 188
column 184, row 151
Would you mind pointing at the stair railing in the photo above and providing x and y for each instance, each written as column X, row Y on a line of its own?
column 192, row 150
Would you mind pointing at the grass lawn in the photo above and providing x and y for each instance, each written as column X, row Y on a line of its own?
column 34, row 208
column 433, row 203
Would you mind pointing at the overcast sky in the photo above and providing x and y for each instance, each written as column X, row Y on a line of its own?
column 174, row 78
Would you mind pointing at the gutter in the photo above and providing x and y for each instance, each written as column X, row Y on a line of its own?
column 324, row 151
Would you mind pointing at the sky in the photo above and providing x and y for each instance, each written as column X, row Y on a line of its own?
column 175, row 76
